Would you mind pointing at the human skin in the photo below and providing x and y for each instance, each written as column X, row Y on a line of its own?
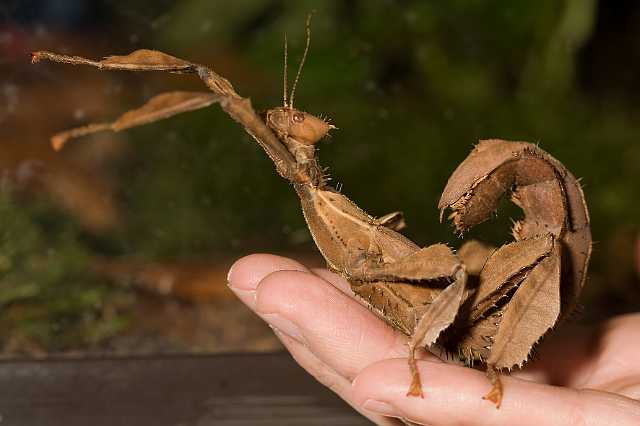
column 581, row 377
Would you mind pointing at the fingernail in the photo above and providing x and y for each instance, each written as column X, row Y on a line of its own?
column 379, row 407
column 284, row 326
column 240, row 276
column 230, row 273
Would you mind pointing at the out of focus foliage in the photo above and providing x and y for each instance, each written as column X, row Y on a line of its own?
column 411, row 85
column 48, row 300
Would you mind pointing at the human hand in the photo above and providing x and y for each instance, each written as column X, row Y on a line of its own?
column 584, row 377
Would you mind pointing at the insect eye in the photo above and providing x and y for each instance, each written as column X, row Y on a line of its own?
column 298, row 117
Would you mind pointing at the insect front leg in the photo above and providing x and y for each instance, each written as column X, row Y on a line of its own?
column 237, row 107
column 160, row 107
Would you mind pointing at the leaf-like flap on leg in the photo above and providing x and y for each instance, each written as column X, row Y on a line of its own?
column 504, row 265
column 531, row 312
column 159, row 107
column 139, row 60
column 432, row 319
column 427, row 264
column 146, row 59
column 163, row 106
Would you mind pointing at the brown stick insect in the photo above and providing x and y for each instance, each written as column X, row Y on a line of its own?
column 481, row 305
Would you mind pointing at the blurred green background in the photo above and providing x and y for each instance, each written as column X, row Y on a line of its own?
column 411, row 85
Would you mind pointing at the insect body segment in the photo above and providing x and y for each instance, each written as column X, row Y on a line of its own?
column 301, row 126
column 299, row 132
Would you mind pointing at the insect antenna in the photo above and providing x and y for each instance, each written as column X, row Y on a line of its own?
column 284, row 74
column 304, row 57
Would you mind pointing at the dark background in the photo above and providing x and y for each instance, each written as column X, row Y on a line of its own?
column 411, row 85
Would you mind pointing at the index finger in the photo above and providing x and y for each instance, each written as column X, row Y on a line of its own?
column 339, row 331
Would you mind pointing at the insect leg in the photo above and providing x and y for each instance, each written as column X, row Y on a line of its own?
column 157, row 108
column 531, row 311
column 238, row 108
column 495, row 394
column 436, row 262
column 394, row 220
column 432, row 319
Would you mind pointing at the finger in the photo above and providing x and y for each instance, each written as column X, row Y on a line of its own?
column 340, row 332
column 567, row 359
column 453, row 396
column 562, row 359
column 244, row 277
column 327, row 376
column 245, row 274
column 334, row 279
column 599, row 358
